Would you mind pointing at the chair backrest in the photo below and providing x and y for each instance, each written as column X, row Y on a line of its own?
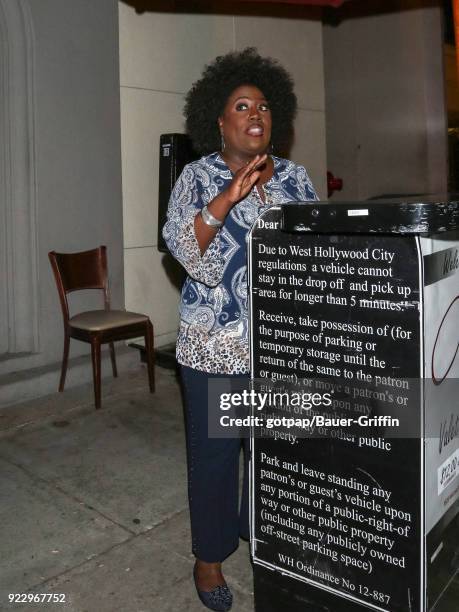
column 77, row 271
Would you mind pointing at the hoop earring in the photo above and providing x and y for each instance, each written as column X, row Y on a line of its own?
column 222, row 142
column 271, row 149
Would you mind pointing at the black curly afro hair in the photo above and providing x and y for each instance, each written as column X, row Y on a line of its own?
column 207, row 97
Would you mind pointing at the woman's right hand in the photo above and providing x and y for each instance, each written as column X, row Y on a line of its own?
column 244, row 179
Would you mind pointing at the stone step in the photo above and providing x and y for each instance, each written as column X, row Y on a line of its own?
column 22, row 386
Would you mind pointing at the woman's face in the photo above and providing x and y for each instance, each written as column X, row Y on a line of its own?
column 246, row 123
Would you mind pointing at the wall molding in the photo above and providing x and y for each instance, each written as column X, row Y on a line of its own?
column 19, row 332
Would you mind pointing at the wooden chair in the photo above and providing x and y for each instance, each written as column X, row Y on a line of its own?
column 88, row 270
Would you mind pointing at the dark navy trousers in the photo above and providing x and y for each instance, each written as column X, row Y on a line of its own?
column 217, row 521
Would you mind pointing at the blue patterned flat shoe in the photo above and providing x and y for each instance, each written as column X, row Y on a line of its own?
column 219, row 599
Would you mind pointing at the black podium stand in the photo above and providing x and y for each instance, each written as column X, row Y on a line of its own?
column 355, row 485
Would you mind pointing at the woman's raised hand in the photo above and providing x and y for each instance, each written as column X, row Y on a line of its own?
column 243, row 181
column 245, row 178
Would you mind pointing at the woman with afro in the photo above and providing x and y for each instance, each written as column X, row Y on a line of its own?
column 237, row 114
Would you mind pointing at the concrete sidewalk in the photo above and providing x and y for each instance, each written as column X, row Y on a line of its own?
column 93, row 504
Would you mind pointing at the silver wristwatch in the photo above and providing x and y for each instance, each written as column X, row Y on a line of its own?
column 210, row 219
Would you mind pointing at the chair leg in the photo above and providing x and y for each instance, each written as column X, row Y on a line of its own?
column 95, row 354
column 150, row 349
column 113, row 359
column 65, row 360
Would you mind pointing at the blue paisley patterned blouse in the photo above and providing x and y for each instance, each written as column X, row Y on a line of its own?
column 213, row 334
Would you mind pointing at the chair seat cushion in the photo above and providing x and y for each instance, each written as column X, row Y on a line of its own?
column 100, row 320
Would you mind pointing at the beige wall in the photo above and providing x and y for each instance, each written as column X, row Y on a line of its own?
column 161, row 55
column 66, row 54
column 385, row 100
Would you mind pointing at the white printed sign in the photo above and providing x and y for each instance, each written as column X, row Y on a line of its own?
column 448, row 471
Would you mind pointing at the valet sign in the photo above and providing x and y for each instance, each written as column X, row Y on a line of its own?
column 340, row 503
column 332, row 255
